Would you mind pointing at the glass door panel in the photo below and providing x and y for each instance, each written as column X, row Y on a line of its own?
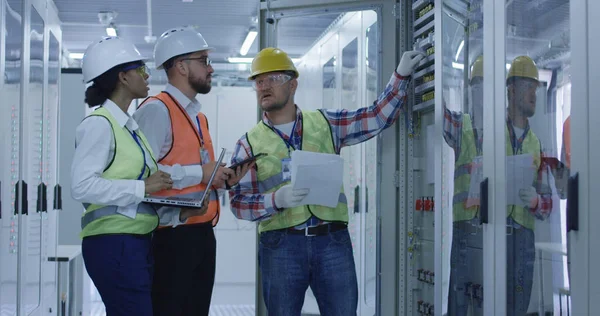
column 339, row 47
column 10, row 158
column 32, row 169
column 538, row 106
column 462, row 156
column 369, row 66
column 50, row 177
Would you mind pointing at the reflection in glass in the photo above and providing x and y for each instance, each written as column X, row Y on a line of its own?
column 50, row 157
column 371, row 46
column 9, row 171
column 329, row 83
column 462, row 165
column 351, row 155
column 33, row 172
column 537, row 51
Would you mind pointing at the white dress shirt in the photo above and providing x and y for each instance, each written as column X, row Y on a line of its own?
column 94, row 150
column 155, row 122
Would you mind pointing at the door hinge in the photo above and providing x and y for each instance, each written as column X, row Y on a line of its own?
column 397, row 178
column 397, row 11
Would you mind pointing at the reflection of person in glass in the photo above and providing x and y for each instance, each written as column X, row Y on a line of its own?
column 522, row 83
column 463, row 132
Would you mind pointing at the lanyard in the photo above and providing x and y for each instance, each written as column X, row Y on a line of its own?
column 200, row 132
column 516, row 143
column 287, row 143
column 134, row 135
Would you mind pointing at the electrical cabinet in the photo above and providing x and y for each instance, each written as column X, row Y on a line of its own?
column 420, row 205
column 30, row 64
column 486, row 219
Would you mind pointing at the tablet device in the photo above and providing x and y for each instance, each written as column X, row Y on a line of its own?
column 212, row 176
column 184, row 201
column 245, row 161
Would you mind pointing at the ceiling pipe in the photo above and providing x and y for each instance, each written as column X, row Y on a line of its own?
column 150, row 38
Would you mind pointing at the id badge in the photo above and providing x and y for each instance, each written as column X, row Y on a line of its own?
column 286, row 169
column 204, row 156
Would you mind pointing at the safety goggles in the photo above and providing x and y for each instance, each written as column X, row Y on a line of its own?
column 140, row 69
column 529, row 84
column 204, row 61
column 271, row 81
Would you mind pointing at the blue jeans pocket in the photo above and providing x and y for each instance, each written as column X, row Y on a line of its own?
column 272, row 239
column 341, row 237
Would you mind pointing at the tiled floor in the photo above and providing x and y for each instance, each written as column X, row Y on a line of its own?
column 216, row 310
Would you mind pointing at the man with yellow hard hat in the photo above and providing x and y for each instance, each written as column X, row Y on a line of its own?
column 304, row 245
column 464, row 133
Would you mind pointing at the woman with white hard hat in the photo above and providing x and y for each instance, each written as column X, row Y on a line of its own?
column 113, row 169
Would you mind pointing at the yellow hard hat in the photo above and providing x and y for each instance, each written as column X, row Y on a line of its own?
column 271, row 59
column 477, row 68
column 525, row 67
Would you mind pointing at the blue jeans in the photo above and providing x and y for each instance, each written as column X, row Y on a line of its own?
column 121, row 268
column 291, row 263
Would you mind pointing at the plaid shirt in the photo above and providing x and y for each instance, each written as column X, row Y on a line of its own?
column 347, row 127
column 453, row 123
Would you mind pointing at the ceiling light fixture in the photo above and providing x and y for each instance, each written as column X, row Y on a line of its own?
column 250, row 37
column 111, row 30
column 248, row 60
column 76, row 55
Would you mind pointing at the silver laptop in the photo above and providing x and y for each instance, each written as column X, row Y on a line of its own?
column 183, row 201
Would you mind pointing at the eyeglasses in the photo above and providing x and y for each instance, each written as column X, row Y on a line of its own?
column 140, row 69
column 204, row 61
column 274, row 80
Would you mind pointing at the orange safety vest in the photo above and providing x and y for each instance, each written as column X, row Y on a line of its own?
column 185, row 150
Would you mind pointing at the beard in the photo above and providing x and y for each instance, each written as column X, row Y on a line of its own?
column 275, row 106
column 199, row 85
column 528, row 111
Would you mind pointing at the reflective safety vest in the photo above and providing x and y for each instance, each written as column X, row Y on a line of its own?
column 316, row 137
column 128, row 162
column 185, row 150
column 462, row 175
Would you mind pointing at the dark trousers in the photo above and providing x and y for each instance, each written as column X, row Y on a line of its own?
column 184, row 270
column 121, row 268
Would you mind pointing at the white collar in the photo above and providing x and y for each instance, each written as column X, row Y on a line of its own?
column 183, row 100
column 122, row 118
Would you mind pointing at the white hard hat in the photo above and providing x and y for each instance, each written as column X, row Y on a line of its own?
column 178, row 41
column 106, row 53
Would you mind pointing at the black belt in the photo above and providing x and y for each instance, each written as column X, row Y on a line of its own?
column 317, row 230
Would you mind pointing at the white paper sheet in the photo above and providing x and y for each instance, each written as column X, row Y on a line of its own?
column 520, row 173
column 321, row 173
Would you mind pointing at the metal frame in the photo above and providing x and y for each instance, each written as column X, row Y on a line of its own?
column 583, row 255
column 494, row 239
column 26, row 22
column 52, row 26
column 389, row 229
column 593, row 116
column 439, row 179
column 41, row 7
column 405, row 171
